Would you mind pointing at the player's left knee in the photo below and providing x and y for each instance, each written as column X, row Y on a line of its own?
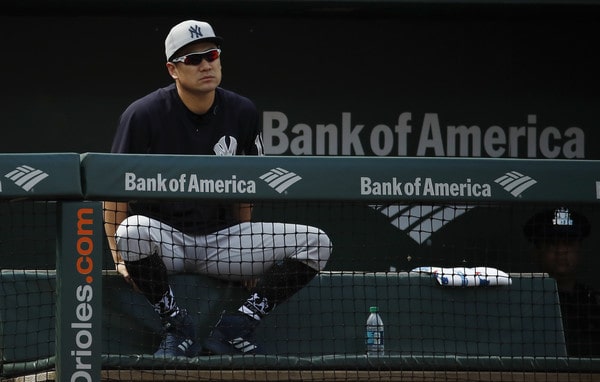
column 323, row 246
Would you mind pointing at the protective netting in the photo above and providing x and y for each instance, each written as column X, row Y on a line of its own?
column 466, row 292
column 28, row 281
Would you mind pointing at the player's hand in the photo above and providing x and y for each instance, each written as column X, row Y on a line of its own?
column 122, row 270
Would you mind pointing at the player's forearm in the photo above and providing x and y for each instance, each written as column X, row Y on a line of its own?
column 114, row 214
column 244, row 212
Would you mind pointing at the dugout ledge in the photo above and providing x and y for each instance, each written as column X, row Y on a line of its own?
column 428, row 327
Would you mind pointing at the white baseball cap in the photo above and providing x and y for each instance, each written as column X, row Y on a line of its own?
column 188, row 32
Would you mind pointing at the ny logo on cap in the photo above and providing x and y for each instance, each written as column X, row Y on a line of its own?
column 195, row 31
column 562, row 217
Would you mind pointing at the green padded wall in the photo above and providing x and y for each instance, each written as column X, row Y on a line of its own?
column 421, row 317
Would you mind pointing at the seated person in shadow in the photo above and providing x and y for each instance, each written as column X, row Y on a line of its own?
column 557, row 235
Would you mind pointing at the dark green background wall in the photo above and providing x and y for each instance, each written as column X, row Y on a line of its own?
column 69, row 69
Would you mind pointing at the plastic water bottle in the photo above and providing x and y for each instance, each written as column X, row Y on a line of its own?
column 375, row 346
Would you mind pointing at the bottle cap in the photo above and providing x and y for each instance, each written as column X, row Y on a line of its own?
column 373, row 309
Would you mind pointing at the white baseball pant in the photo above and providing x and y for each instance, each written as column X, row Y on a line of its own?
column 239, row 252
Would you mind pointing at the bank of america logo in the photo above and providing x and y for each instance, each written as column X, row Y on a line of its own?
column 419, row 222
column 280, row 179
column 26, row 177
column 515, row 182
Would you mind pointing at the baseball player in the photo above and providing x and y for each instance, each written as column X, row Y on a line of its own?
column 150, row 240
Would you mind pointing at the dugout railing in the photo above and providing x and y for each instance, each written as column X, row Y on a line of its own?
column 70, row 319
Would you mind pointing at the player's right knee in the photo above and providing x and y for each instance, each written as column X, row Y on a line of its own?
column 131, row 228
column 133, row 240
column 131, row 250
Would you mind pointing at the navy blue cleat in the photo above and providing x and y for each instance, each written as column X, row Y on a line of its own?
column 179, row 337
column 233, row 334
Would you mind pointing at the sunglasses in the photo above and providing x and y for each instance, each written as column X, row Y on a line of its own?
column 196, row 58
